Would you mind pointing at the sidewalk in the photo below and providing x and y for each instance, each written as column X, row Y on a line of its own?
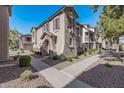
column 75, row 69
column 66, row 76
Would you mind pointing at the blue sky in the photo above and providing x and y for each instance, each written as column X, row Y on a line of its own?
column 26, row 16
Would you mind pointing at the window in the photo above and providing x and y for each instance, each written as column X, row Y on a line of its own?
column 56, row 23
column 106, row 43
column 78, row 30
column 71, row 22
column 71, row 42
column 28, row 39
column 86, row 33
column 46, row 27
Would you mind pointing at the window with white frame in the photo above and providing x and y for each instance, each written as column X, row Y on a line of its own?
column 86, row 33
column 46, row 27
column 71, row 21
column 56, row 23
column 71, row 42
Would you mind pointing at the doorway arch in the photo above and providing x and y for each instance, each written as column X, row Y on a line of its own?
column 45, row 47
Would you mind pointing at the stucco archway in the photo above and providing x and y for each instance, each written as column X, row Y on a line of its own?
column 45, row 47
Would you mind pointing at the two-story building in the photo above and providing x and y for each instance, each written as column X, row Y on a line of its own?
column 25, row 42
column 61, row 35
column 89, row 38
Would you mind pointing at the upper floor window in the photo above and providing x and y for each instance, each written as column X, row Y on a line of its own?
column 28, row 39
column 78, row 30
column 46, row 27
column 71, row 42
column 71, row 21
column 86, row 33
column 56, row 23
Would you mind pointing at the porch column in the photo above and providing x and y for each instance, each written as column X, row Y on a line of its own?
column 4, row 26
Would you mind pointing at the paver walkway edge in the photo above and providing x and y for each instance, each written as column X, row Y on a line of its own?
column 66, row 76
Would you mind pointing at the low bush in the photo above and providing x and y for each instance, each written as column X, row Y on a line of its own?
column 70, row 59
column 22, row 50
column 24, row 61
column 108, row 65
column 76, row 57
column 14, row 49
column 79, row 53
column 26, row 75
column 90, row 52
column 112, row 59
column 85, row 54
column 55, row 57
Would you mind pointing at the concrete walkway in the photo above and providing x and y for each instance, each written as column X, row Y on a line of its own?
column 65, row 77
column 77, row 68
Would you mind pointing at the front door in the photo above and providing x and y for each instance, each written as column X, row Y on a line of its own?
column 45, row 48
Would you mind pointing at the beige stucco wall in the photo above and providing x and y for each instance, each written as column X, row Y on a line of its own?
column 63, row 37
column 84, row 30
column 34, row 40
column 4, row 26
column 69, row 51
column 59, row 33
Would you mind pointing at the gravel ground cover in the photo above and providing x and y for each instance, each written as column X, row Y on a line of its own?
column 10, row 76
column 101, row 76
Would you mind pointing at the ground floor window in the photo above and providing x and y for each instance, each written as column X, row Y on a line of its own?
column 71, row 42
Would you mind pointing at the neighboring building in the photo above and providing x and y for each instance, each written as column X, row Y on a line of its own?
column 25, row 42
column 86, row 37
column 89, row 39
column 5, row 12
column 60, row 34
column 99, row 39
column 121, row 42
column 79, row 37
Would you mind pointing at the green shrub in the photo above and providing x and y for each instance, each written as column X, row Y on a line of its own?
column 26, row 75
column 85, row 54
column 80, row 53
column 76, row 57
column 24, row 61
column 55, row 57
column 70, row 59
column 14, row 49
column 108, row 65
column 22, row 50
column 90, row 52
